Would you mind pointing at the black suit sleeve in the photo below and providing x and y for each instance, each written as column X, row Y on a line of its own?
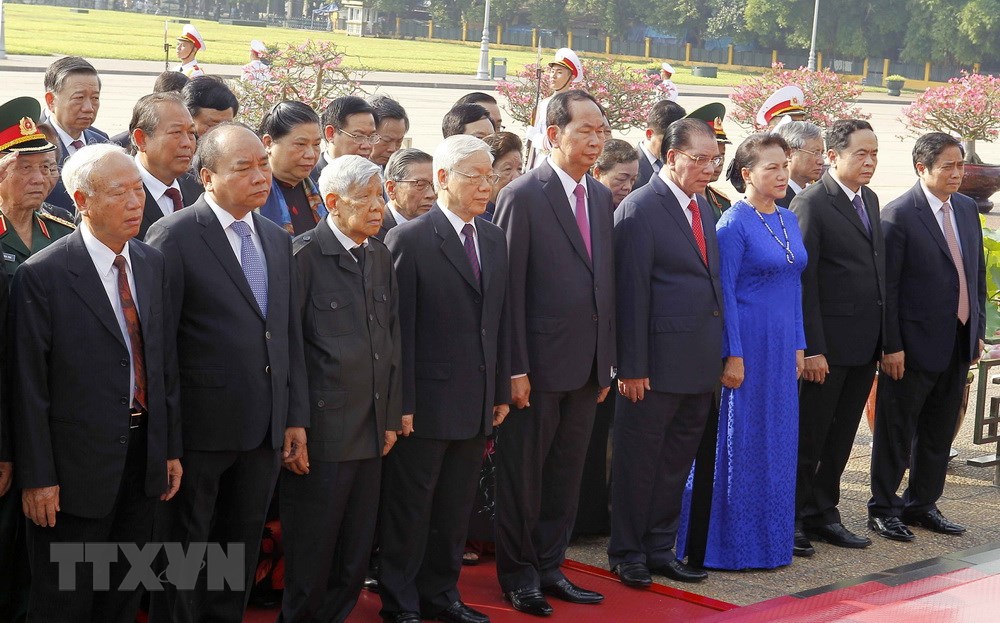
column 160, row 238
column 634, row 265
column 895, row 255
column 981, row 293
column 394, row 410
column 406, row 275
column 298, row 384
column 502, row 391
column 513, row 219
column 171, row 375
column 809, row 223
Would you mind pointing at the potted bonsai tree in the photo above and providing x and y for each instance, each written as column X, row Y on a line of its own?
column 894, row 84
column 969, row 107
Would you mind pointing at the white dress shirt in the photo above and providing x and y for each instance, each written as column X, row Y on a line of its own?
column 66, row 139
column 400, row 219
column 457, row 222
column 936, row 205
column 104, row 259
column 569, row 186
column 342, row 237
column 226, row 219
column 683, row 199
column 158, row 189
column 795, row 187
column 850, row 193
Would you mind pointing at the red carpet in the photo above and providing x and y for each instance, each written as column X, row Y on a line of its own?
column 479, row 589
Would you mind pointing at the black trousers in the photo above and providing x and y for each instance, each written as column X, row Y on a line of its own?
column 656, row 440
column 428, row 489
column 592, row 514
column 15, row 574
column 703, row 483
column 131, row 521
column 915, row 421
column 223, row 499
column 540, row 456
column 829, row 414
column 328, row 524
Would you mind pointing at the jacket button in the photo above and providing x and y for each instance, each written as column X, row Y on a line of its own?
column 377, row 396
column 123, row 439
column 482, row 368
column 384, row 297
column 267, row 369
column 484, row 331
column 306, row 238
column 267, row 335
column 371, row 316
column 376, row 356
column 123, row 400
column 476, row 300
column 333, row 305
column 124, row 363
column 716, row 313
column 880, row 303
column 321, row 403
column 594, row 317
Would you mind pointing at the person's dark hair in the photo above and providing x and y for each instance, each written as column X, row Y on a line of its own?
column 680, row 133
column 930, row 146
column 461, row 115
column 748, row 154
column 388, row 108
column 208, row 92
column 212, row 145
column 616, row 151
column 284, row 116
column 57, row 73
column 146, row 112
column 663, row 113
column 170, row 81
column 558, row 114
column 398, row 166
column 839, row 134
column 502, row 143
column 341, row 108
column 476, row 97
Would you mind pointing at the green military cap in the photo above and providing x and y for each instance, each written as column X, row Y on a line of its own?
column 712, row 114
column 19, row 127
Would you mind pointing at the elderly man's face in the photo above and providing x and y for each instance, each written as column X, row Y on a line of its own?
column 414, row 195
column 242, row 180
column 392, row 133
column 30, row 179
column 359, row 213
column 167, row 151
column 466, row 187
column 114, row 210
column 76, row 104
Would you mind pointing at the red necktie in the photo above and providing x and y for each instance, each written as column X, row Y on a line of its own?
column 699, row 233
column 581, row 217
column 175, row 196
column 134, row 332
column 77, row 144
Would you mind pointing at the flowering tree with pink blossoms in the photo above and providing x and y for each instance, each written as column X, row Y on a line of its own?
column 968, row 106
column 311, row 72
column 828, row 95
column 626, row 93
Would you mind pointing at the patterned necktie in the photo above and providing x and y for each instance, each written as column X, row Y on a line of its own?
column 859, row 207
column 175, row 196
column 581, row 217
column 696, row 229
column 956, row 257
column 253, row 265
column 470, row 250
column 134, row 330
column 657, row 165
column 77, row 144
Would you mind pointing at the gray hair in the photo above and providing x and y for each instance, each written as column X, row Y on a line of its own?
column 796, row 133
column 345, row 173
column 78, row 172
column 398, row 167
column 455, row 149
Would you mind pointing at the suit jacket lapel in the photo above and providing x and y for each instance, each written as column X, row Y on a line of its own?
column 844, row 205
column 926, row 216
column 274, row 261
column 90, row 288
column 674, row 209
column 218, row 243
column 452, row 247
column 556, row 194
column 142, row 274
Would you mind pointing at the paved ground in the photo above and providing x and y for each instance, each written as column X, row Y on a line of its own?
column 970, row 497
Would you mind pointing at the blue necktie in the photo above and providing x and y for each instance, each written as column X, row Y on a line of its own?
column 253, row 265
column 859, row 207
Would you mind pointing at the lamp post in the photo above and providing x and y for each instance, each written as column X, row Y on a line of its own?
column 812, row 46
column 484, row 47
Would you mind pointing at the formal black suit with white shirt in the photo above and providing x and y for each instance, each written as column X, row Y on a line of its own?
column 562, row 302
column 647, row 168
column 916, row 416
column 72, row 378
column 389, row 221
column 456, row 368
column 158, row 204
column 242, row 382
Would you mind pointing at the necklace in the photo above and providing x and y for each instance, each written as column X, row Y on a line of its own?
column 786, row 245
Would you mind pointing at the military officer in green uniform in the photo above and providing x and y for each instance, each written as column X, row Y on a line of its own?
column 26, row 174
column 713, row 114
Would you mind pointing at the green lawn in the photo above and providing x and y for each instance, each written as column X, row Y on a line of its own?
column 43, row 30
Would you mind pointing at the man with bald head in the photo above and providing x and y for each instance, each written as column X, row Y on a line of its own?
column 243, row 390
column 95, row 450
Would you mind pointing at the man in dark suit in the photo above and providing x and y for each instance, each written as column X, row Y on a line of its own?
column 243, row 378
column 843, row 293
column 452, row 270
column 348, row 302
column 935, row 323
column 558, row 221
column 805, row 164
column 95, row 450
column 669, row 352
column 349, row 129
column 663, row 113
column 73, row 98
column 163, row 133
column 409, row 184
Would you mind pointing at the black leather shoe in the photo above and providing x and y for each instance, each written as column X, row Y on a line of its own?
column 837, row 534
column 802, row 546
column 460, row 613
column 402, row 617
column 934, row 521
column 634, row 574
column 890, row 528
column 529, row 601
column 677, row 570
column 371, row 585
column 567, row 591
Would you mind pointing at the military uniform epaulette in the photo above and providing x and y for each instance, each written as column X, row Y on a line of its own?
column 56, row 219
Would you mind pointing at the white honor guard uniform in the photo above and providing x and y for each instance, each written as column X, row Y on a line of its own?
column 256, row 70
column 785, row 103
column 191, row 68
column 540, row 144
column 667, row 86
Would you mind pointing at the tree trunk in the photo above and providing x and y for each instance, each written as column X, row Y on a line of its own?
column 970, row 151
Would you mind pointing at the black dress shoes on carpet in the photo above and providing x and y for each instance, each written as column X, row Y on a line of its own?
column 890, row 528
column 529, row 601
column 836, row 534
column 934, row 521
column 677, row 570
column 402, row 617
column 567, row 591
column 458, row 612
column 802, row 547
column 633, row 574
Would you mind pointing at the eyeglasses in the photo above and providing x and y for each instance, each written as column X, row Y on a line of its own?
column 703, row 160
column 490, row 179
column 814, row 154
column 47, row 170
column 420, row 185
column 359, row 139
